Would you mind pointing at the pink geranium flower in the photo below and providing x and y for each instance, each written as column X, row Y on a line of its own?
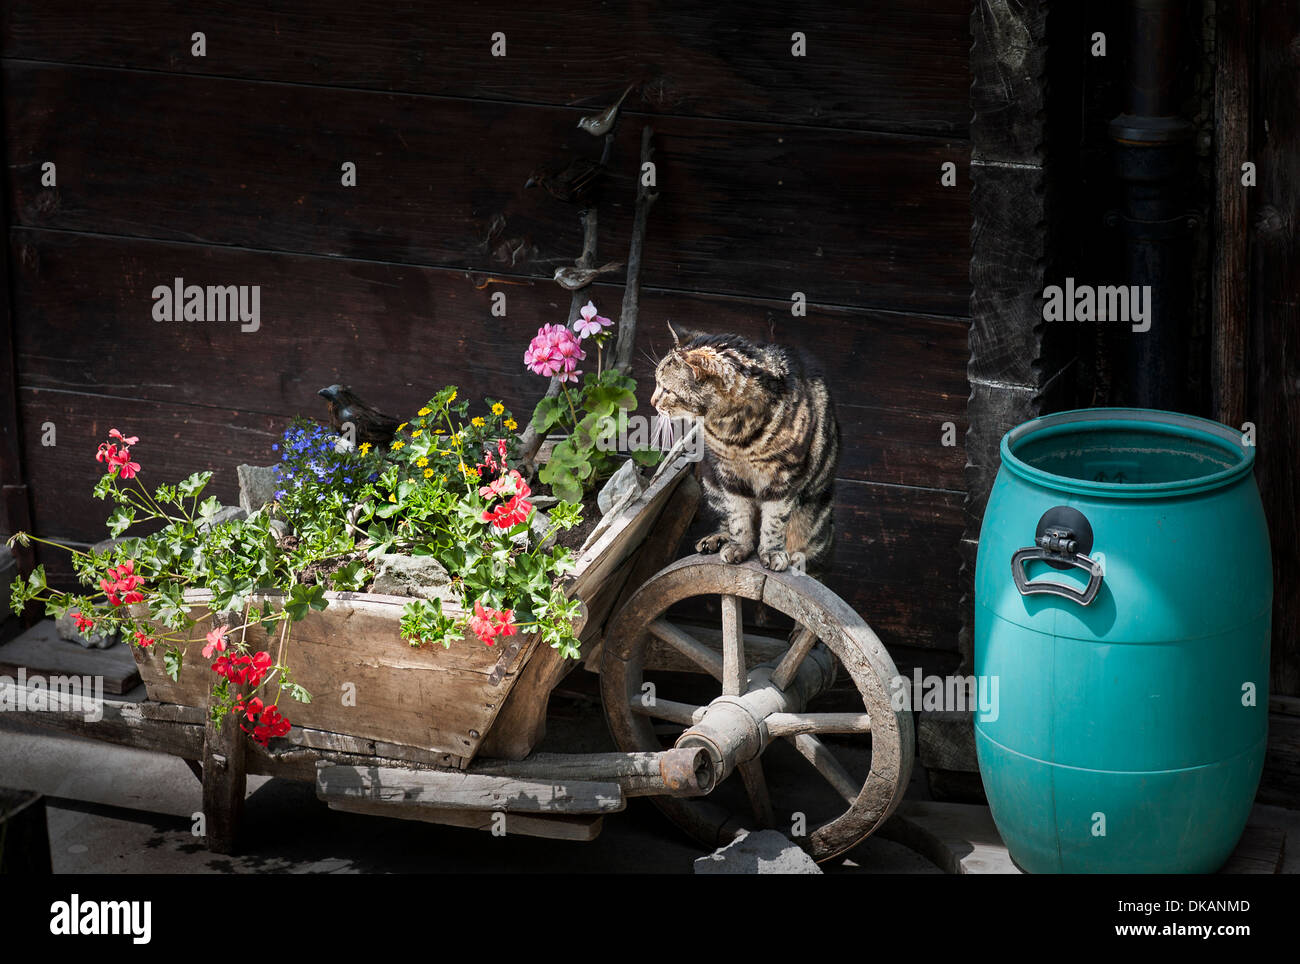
column 590, row 323
column 554, row 350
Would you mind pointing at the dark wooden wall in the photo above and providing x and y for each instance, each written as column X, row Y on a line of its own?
column 777, row 174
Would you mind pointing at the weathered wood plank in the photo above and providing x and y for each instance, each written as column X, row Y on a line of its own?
column 576, row 827
column 740, row 204
column 39, row 651
column 1274, row 402
column 122, row 723
column 897, row 379
column 1234, row 25
column 869, row 67
column 457, row 790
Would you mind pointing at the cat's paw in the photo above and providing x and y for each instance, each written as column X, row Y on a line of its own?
column 778, row 560
column 711, row 543
column 735, row 553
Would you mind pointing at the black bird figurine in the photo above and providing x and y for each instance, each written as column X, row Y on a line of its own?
column 578, row 182
column 370, row 424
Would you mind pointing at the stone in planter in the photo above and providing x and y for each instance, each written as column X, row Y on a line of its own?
column 67, row 629
column 622, row 488
column 257, row 486
column 761, row 852
column 420, row 576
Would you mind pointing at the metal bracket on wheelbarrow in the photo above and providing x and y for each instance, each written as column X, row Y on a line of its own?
column 1063, row 539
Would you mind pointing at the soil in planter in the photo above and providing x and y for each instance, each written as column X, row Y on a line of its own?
column 575, row 537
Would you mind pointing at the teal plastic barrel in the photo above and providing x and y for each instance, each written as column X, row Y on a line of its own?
column 1123, row 602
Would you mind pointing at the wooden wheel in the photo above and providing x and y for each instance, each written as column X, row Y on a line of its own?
column 762, row 703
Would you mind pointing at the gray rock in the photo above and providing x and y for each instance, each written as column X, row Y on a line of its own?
column 104, row 545
column 543, row 501
column 420, row 576
column 538, row 523
column 67, row 629
column 761, row 852
column 227, row 513
column 623, row 486
column 256, row 486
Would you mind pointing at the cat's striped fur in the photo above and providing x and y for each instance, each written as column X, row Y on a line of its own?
column 772, row 446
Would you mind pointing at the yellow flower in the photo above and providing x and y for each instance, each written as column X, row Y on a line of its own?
column 477, row 421
column 454, row 439
column 452, row 398
column 364, row 448
column 511, row 424
column 392, row 497
column 417, row 433
column 443, row 479
column 424, row 411
column 498, row 409
column 428, row 473
column 398, row 444
column 403, row 425
column 439, row 431
column 421, row 461
column 444, row 452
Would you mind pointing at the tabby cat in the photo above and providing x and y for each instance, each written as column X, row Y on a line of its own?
column 772, row 446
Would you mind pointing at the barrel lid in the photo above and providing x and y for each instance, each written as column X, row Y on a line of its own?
column 1126, row 453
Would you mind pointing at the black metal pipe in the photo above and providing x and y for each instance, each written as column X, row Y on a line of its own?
column 1153, row 154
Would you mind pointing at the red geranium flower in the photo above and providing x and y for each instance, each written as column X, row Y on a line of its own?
column 82, row 622
column 142, row 640
column 216, row 641
column 487, row 623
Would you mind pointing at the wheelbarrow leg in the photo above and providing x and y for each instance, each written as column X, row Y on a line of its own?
column 224, row 783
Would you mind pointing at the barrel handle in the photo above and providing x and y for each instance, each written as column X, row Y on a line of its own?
column 1063, row 538
column 1082, row 596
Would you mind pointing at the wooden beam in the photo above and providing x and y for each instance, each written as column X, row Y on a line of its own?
column 457, row 790
column 1234, row 28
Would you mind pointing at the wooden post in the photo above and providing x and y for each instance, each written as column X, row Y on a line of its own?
column 1234, row 38
column 224, row 782
column 1013, row 368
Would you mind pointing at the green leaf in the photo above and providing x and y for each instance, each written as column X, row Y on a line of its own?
column 209, row 507
column 646, row 456
column 548, row 412
column 172, row 660
column 303, row 599
column 193, row 485
column 120, row 520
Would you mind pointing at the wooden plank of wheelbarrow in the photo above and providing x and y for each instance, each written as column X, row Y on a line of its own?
column 581, row 827
column 457, row 790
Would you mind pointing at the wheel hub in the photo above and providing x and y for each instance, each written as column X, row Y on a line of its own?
column 733, row 729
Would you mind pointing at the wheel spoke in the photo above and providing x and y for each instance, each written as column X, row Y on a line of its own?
column 800, row 647
column 690, row 647
column 671, row 710
column 756, row 787
column 791, row 724
column 735, row 678
column 814, row 750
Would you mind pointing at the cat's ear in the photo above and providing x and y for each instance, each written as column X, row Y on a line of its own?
column 707, row 362
column 681, row 334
